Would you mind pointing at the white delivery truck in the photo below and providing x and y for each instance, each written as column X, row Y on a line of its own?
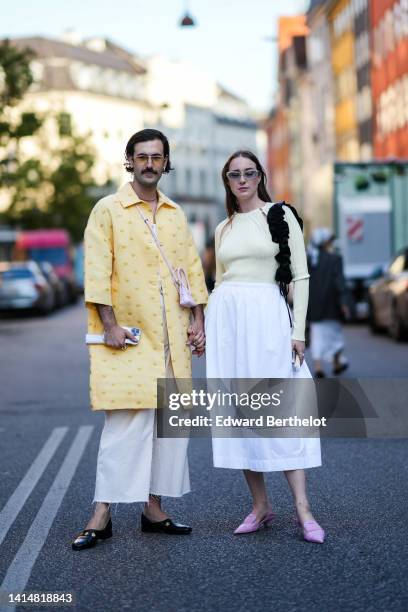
column 371, row 221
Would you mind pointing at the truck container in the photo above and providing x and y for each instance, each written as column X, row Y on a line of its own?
column 370, row 220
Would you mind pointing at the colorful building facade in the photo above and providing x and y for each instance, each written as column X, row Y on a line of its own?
column 277, row 167
column 323, row 144
column 341, row 20
column 279, row 125
column 362, row 54
column 389, row 19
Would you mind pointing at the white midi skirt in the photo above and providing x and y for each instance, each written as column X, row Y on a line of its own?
column 249, row 336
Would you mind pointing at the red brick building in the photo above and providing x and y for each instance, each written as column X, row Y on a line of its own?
column 277, row 124
column 389, row 22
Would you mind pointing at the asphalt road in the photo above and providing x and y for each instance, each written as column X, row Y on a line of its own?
column 48, row 446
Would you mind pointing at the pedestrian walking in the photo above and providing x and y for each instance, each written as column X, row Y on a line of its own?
column 327, row 303
column 128, row 283
column 259, row 251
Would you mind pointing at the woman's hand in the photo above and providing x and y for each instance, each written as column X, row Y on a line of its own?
column 196, row 337
column 299, row 347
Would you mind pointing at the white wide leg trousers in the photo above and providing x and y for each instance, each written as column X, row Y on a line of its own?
column 132, row 461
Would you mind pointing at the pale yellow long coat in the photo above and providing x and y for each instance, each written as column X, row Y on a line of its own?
column 121, row 270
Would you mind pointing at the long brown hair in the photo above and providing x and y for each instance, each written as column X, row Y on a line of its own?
column 231, row 203
column 278, row 226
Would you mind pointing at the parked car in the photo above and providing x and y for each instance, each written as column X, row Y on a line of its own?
column 388, row 298
column 53, row 245
column 79, row 267
column 60, row 290
column 23, row 286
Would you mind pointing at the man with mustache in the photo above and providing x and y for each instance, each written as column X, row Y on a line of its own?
column 127, row 284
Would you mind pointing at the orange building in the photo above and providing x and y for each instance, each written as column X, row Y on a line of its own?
column 288, row 28
column 276, row 126
column 389, row 19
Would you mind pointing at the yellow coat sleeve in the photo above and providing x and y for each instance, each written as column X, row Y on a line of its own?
column 195, row 272
column 219, row 268
column 98, row 251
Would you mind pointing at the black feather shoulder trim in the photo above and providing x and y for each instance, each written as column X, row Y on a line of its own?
column 279, row 230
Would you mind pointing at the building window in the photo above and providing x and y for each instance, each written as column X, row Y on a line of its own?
column 390, row 30
column 366, row 151
column 188, row 181
column 392, row 113
column 173, row 181
column 362, row 46
column 346, row 85
column 203, row 182
column 364, row 104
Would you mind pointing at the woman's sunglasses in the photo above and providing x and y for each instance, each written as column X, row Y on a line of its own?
column 235, row 175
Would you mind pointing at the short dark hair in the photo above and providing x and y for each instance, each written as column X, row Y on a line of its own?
column 144, row 136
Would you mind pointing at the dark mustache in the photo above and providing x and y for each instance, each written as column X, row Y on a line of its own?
column 149, row 170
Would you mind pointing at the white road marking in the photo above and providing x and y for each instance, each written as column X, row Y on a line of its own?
column 12, row 508
column 19, row 572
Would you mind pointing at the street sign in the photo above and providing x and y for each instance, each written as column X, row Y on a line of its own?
column 355, row 226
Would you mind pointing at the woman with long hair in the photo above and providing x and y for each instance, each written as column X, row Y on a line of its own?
column 259, row 252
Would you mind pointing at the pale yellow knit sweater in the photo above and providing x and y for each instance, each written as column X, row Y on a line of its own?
column 245, row 252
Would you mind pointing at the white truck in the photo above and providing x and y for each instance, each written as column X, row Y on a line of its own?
column 370, row 220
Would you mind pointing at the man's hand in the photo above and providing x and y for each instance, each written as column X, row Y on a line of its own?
column 196, row 337
column 115, row 337
column 195, row 332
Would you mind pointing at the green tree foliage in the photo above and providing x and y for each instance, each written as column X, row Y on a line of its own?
column 54, row 189
column 72, row 184
column 15, row 74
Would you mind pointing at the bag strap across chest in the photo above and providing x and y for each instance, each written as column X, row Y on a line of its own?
column 160, row 247
column 178, row 275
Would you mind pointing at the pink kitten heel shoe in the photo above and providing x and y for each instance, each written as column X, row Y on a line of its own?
column 312, row 532
column 250, row 524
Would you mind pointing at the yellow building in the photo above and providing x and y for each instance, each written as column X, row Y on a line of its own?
column 341, row 21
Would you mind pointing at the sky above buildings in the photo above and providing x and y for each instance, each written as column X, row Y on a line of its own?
column 228, row 42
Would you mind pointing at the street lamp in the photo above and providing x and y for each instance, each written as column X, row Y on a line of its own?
column 187, row 20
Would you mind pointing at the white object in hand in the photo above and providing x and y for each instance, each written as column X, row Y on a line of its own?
column 295, row 361
column 100, row 338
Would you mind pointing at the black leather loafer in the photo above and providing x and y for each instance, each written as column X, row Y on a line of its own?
column 166, row 526
column 89, row 537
